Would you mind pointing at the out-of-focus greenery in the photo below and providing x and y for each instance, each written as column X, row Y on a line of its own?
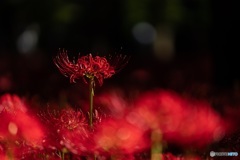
column 90, row 24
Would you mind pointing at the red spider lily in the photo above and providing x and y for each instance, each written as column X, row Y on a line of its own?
column 15, row 121
column 88, row 66
column 72, row 127
column 69, row 130
column 21, row 125
column 51, row 140
column 119, row 136
column 18, row 126
column 113, row 102
column 181, row 121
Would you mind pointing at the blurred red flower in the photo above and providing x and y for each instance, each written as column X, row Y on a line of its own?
column 18, row 126
column 67, row 129
column 113, row 103
column 15, row 120
column 119, row 136
column 73, row 129
column 88, row 66
column 182, row 121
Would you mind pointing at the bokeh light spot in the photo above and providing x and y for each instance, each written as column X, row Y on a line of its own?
column 12, row 128
column 28, row 40
column 144, row 33
column 123, row 133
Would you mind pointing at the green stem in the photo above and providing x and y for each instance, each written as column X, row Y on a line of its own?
column 63, row 154
column 91, row 94
column 156, row 148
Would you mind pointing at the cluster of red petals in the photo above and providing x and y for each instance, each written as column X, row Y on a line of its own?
column 67, row 129
column 186, row 122
column 179, row 120
column 85, row 67
column 72, row 128
column 120, row 136
column 113, row 103
column 18, row 126
column 182, row 121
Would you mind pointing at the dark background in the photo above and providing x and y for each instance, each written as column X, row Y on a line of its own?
column 194, row 49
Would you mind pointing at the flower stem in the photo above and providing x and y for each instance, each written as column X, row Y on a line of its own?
column 156, row 148
column 91, row 94
column 63, row 154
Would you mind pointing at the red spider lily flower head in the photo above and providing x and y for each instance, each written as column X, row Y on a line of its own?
column 120, row 136
column 113, row 102
column 69, row 130
column 89, row 66
column 182, row 121
column 18, row 126
column 74, row 133
column 17, row 123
